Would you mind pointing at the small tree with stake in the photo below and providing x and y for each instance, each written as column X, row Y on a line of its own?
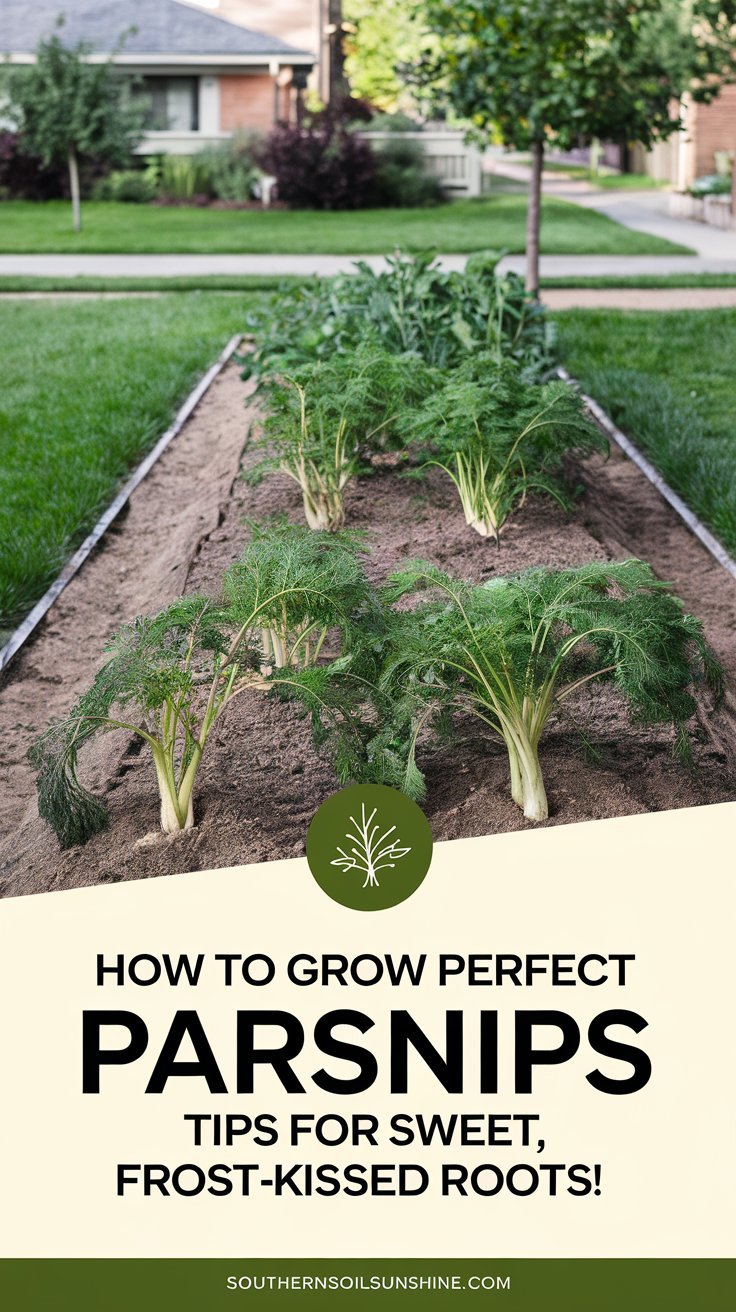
column 537, row 72
column 69, row 109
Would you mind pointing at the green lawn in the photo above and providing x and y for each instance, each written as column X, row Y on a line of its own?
column 237, row 283
column 89, row 388
column 205, row 282
column 646, row 280
column 605, row 178
column 667, row 380
column 609, row 181
column 496, row 221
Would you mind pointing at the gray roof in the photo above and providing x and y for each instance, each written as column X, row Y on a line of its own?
column 163, row 27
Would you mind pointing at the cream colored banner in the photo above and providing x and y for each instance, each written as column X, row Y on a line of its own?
column 658, row 887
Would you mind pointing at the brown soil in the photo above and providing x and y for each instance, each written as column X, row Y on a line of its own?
column 262, row 780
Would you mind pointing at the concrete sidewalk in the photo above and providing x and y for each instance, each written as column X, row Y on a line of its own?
column 177, row 266
column 643, row 211
column 636, row 298
column 648, row 211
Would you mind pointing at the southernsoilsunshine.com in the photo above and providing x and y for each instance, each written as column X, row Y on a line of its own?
column 369, row 1283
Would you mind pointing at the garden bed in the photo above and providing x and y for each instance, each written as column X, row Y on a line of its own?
column 262, row 779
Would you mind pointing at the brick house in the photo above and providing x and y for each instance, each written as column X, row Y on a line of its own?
column 307, row 24
column 710, row 128
column 691, row 153
column 204, row 76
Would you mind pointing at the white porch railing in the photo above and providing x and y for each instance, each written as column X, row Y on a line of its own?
column 449, row 158
column 179, row 143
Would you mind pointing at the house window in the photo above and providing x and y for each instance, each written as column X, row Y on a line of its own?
column 173, row 103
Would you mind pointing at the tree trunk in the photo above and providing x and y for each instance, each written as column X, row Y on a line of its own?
column 74, row 185
column 533, row 217
column 336, row 80
column 594, row 157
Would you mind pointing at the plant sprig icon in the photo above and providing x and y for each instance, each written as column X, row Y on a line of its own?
column 371, row 853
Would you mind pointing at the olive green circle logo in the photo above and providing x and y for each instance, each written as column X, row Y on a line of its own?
column 369, row 847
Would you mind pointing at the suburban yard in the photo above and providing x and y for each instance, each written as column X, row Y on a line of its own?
column 90, row 387
column 497, row 221
column 667, row 379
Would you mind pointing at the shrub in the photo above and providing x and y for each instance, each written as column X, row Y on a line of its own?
column 133, row 186
column 402, row 178
column 397, row 122
column 232, row 167
column 23, row 176
column 184, row 177
column 713, row 184
column 320, row 163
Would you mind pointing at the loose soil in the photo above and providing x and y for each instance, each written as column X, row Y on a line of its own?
column 262, row 780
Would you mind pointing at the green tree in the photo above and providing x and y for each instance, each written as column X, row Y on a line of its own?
column 69, row 109
column 536, row 72
column 383, row 35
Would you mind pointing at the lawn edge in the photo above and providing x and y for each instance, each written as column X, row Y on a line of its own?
column 673, row 499
column 22, row 633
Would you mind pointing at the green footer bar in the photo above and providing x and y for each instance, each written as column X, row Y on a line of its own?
column 579, row 1285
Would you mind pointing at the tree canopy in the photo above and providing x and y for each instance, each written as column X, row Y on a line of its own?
column 566, row 70
column 536, row 72
column 387, row 35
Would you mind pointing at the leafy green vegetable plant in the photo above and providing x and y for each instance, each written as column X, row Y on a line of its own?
column 411, row 305
column 168, row 679
column 326, row 419
column 512, row 651
column 499, row 438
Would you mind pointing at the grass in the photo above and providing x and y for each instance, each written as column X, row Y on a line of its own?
column 642, row 280
column 609, row 181
column 667, row 380
column 238, row 283
column 625, row 181
column 496, row 221
column 89, row 388
column 606, row 178
column 201, row 283
column 222, row 282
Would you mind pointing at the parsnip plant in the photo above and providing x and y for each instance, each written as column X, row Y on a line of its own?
column 512, row 651
column 324, row 421
column 168, row 679
column 499, row 438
